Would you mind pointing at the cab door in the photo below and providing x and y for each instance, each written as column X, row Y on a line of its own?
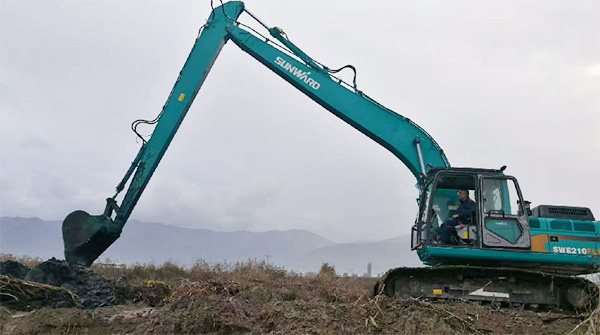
column 503, row 221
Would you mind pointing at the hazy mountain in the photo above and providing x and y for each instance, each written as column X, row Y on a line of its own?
column 154, row 242
column 354, row 257
column 31, row 237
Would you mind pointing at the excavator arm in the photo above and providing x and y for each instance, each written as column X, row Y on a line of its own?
column 86, row 237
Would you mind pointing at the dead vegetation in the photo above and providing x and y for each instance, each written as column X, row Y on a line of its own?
column 26, row 295
column 591, row 323
column 258, row 298
column 29, row 262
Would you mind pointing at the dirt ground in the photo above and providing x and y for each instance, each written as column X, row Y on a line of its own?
column 257, row 298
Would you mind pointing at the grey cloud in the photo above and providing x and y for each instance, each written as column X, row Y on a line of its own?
column 520, row 78
column 33, row 142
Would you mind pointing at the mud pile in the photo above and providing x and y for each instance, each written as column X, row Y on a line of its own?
column 92, row 289
column 13, row 269
column 22, row 295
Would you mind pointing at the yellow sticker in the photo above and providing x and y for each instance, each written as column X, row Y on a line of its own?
column 437, row 291
column 466, row 235
column 181, row 96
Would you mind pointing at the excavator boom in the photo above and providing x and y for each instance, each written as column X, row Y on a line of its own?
column 86, row 237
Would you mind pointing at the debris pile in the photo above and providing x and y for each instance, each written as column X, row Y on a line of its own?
column 52, row 284
column 93, row 290
column 13, row 269
column 152, row 292
column 24, row 295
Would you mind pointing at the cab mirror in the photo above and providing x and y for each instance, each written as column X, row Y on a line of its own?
column 528, row 207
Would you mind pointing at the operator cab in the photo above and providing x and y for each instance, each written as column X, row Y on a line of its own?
column 499, row 216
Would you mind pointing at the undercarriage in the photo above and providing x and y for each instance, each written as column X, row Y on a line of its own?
column 497, row 286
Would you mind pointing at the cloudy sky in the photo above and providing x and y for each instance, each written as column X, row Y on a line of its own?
column 513, row 83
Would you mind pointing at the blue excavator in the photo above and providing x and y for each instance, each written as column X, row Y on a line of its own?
column 505, row 253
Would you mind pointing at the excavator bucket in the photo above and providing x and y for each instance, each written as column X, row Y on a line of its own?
column 86, row 237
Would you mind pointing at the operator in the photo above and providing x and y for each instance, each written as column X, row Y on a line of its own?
column 462, row 216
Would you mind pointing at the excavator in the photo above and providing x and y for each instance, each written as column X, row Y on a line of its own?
column 506, row 254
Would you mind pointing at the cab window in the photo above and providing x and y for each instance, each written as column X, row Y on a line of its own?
column 500, row 197
column 445, row 200
column 502, row 207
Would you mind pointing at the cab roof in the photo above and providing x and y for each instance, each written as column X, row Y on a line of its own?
column 436, row 170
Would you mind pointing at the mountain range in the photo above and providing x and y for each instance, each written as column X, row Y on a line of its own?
column 147, row 242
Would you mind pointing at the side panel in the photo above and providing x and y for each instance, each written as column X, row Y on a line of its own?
column 539, row 235
column 572, row 237
column 436, row 255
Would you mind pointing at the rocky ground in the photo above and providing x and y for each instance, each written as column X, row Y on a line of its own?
column 248, row 298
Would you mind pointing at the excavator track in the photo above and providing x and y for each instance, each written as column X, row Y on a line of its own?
column 497, row 286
